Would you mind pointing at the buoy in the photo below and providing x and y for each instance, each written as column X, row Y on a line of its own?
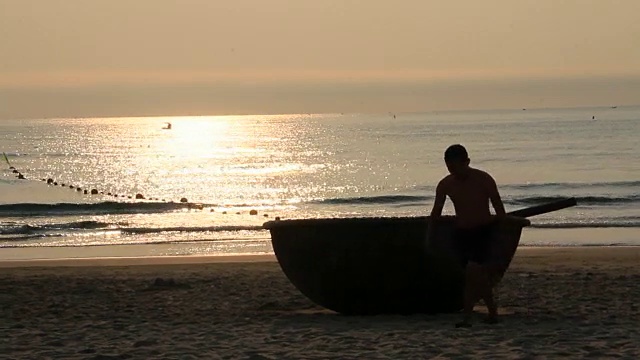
column 277, row 218
column 78, row 189
column 49, row 181
column 266, row 215
column 109, row 193
column 224, row 212
column 70, row 186
column 129, row 197
column 184, row 200
column 238, row 213
column 212, row 210
column 62, row 185
column 94, row 191
column 139, row 196
column 85, row 191
column 253, row 212
column 55, row 183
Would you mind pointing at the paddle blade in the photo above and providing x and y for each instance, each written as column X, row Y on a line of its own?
column 544, row 208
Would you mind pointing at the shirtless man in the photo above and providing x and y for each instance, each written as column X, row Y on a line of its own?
column 470, row 190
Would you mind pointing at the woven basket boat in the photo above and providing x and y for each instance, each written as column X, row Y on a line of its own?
column 365, row 266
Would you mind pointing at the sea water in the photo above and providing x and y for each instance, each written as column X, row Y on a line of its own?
column 305, row 166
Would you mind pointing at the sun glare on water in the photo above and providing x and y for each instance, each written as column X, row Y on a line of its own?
column 235, row 158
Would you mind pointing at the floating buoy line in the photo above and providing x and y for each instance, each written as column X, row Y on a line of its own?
column 138, row 196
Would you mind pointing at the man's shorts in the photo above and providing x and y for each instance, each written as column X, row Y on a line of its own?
column 474, row 244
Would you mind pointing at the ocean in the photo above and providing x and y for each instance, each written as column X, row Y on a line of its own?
column 236, row 172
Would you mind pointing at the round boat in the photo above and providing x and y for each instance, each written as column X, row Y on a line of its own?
column 365, row 266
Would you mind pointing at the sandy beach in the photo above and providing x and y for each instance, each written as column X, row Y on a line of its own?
column 555, row 302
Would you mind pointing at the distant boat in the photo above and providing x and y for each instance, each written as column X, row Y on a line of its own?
column 168, row 127
column 614, row 107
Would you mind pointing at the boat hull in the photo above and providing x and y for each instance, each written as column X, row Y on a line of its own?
column 382, row 265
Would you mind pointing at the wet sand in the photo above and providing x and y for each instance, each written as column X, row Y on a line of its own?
column 555, row 302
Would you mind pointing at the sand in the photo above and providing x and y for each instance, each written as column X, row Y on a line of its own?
column 556, row 302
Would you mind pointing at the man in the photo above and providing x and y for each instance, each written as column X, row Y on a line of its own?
column 470, row 190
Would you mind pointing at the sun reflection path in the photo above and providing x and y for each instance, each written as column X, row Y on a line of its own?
column 246, row 162
column 234, row 160
column 230, row 158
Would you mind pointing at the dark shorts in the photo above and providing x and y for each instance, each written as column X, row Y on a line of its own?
column 474, row 244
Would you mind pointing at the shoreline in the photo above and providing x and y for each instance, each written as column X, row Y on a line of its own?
column 531, row 238
column 138, row 261
column 596, row 253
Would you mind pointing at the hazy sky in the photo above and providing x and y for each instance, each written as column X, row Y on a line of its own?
column 161, row 57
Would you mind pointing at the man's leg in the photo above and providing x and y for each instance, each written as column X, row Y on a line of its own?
column 471, row 293
column 486, row 291
column 486, row 274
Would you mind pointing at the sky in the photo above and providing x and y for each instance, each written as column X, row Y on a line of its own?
column 77, row 58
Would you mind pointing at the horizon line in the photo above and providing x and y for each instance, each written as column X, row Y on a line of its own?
column 107, row 79
column 612, row 106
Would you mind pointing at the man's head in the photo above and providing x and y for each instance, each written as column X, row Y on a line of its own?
column 457, row 159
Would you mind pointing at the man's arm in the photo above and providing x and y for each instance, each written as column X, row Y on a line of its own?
column 436, row 211
column 438, row 204
column 494, row 196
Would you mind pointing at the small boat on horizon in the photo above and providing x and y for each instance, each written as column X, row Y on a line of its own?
column 167, row 126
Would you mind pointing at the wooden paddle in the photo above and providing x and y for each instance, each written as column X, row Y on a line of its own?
column 544, row 208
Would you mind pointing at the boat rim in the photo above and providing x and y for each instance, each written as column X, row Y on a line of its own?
column 377, row 220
